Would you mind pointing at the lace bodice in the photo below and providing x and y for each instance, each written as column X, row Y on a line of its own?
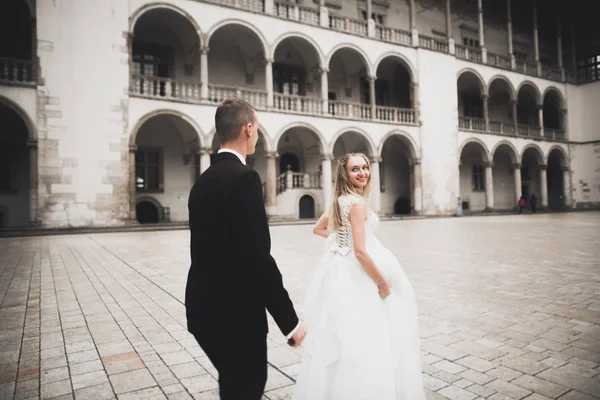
column 343, row 236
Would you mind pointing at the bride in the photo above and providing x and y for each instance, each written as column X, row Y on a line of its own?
column 361, row 312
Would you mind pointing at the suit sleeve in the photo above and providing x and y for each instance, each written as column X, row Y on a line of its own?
column 255, row 245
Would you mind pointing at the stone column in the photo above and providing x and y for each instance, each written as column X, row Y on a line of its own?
column 517, row 176
column 567, row 190
column 513, row 61
column 559, row 50
column 372, row 96
column 376, row 184
column 269, row 7
column 573, row 49
column 417, row 187
column 513, row 103
column 327, row 180
column 489, row 186
column 449, row 36
column 414, row 92
column 544, row 185
column 564, row 121
column 536, row 43
column 448, row 21
column 370, row 21
column 323, row 14
column 32, row 144
column 269, row 81
column 271, row 183
column 412, row 20
column 325, row 90
column 486, row 116
column 540, row 108
column 204, row 72
column 205, row 153
column 34, row 56
column 132, row 186
column 481, row 32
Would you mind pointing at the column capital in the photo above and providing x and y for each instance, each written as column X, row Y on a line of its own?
column 565, row 169
column 371, row 78
column 543, row 167
column 205, row 151
column 484, row 97
column 516, row 165
column 376, row 159
column 32, row 143
column 204, row 49
column 327, row 156
column 417, row 161
column 324, row 70
column 488, row 164
column 129, row 35
column 512, row 102
column 563, row 111
column 133, row 148
column 269, row 60
column 414, row 85
column 271, row 155
column 539, row 107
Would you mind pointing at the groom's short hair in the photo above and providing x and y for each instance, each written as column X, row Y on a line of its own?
column 231, row 115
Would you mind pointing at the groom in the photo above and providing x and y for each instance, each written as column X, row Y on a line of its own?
column 233, row 278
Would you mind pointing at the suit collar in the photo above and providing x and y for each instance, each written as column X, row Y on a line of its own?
column 230, row 151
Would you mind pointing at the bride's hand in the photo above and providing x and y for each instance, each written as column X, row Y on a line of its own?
column 384, row 289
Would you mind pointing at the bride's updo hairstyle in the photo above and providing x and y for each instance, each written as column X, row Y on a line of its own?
column 343, row 186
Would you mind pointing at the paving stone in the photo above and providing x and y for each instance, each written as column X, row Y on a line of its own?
column 99, row 392
column 131, row 381
column 540, row 386
column 150, row 393
column 55, row 389
column 89, row 379
column 505, row 317
column 508, row 389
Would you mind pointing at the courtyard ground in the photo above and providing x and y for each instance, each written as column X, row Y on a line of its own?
column 509, row 309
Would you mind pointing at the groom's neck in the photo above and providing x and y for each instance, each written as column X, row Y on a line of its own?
column 236, row 146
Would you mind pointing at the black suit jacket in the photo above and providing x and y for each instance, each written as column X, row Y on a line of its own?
column 232, row 277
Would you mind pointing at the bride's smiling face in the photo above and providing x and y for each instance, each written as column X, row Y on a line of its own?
column 358, row 172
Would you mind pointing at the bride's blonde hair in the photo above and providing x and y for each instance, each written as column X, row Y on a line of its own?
column 343, row 187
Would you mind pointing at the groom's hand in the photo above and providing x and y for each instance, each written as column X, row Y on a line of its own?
column 298, row 337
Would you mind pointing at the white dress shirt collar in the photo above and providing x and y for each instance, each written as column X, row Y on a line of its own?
column 238, row 155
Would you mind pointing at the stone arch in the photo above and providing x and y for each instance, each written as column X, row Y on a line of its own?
column 478, row 141
column 135, row 16
column 31, row 130
column 149, row 199
column 148, row 116
column 235, row 21
column 514, row 154
column 358, row 50
column 315, row 131
column 528, row 83
column 564, row 160
column 512, row 93
column 303, row 194
column 539, row 154
column 406, row 138
column 261, row 131
column 554, row 89
column 361, row 132
column 302, row 36
column 482, row 84
column 401, row 58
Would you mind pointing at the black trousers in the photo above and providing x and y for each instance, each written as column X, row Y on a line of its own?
column 241, row 363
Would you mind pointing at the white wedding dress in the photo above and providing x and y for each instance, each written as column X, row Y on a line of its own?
column 359, row 346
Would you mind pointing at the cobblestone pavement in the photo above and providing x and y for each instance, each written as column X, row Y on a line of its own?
column 509, row 309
